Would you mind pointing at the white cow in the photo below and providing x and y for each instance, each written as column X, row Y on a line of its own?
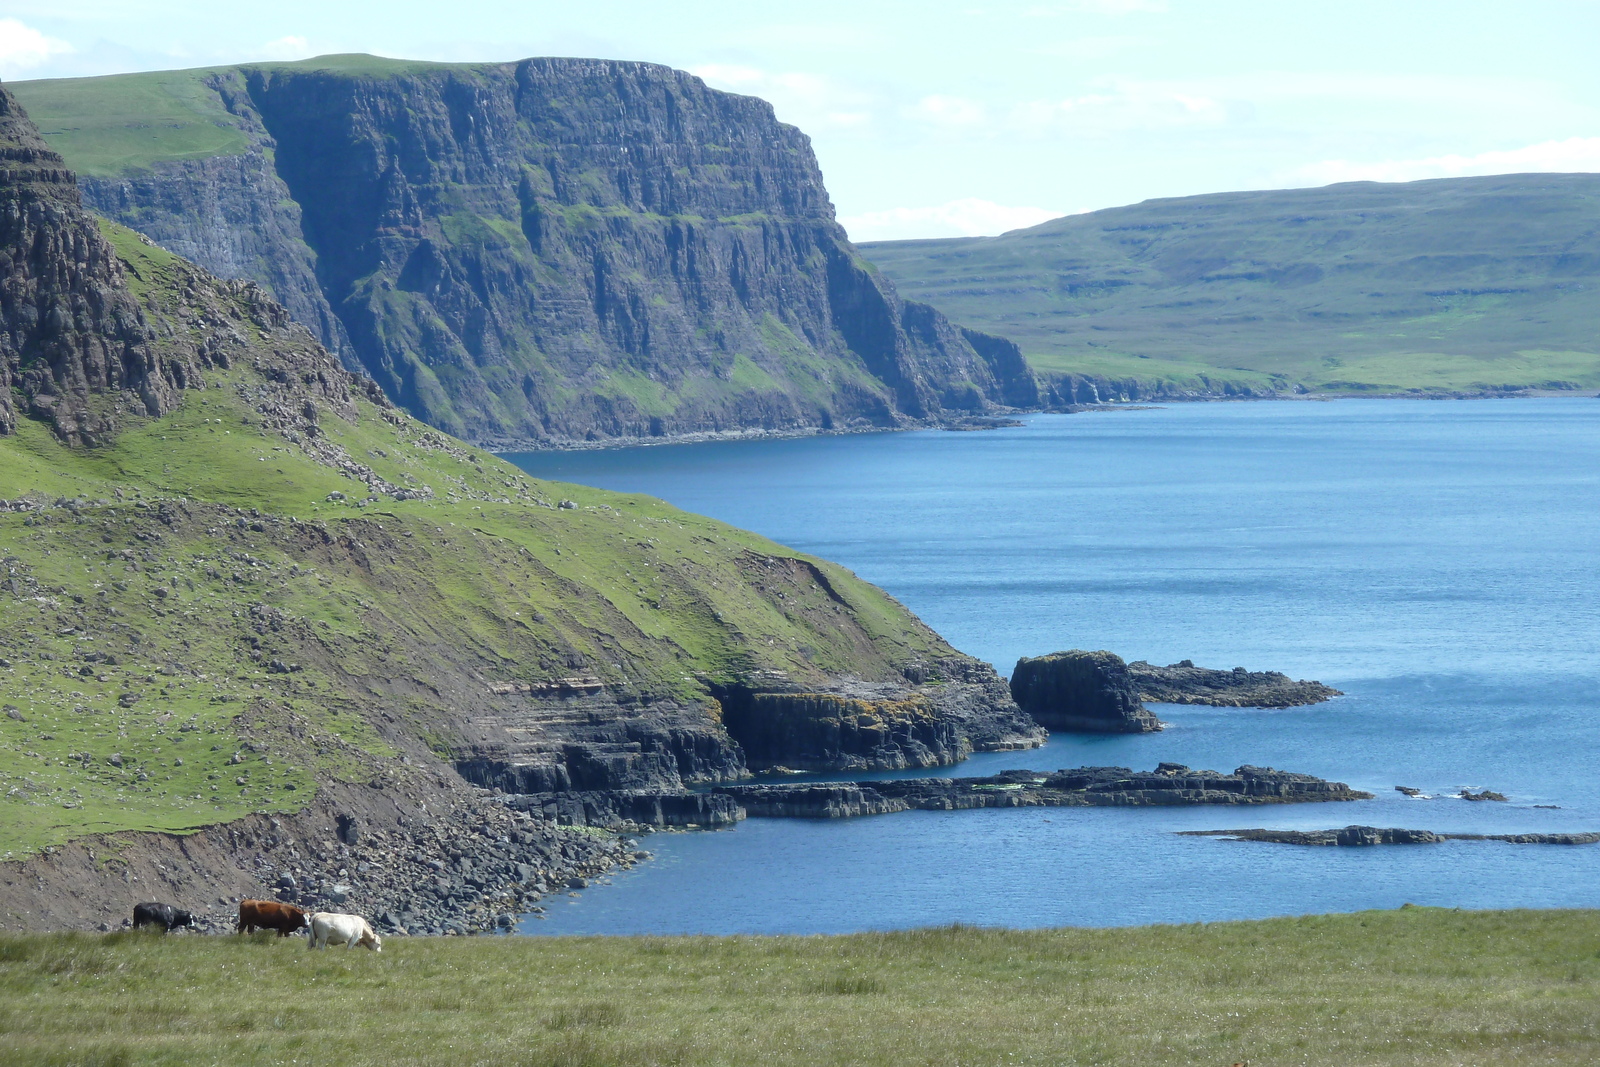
column 346, row 930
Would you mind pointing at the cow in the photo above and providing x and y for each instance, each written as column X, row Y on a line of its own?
column 270, row 915
column 346, row 930
column 165, row 916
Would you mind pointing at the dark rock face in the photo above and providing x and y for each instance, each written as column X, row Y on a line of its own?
column 817, row 731
column 614, row 809
column 1184, row 683
column 608, row 748
column 562, row 250
column 1077, row 690
column 1357, row 836
column 68, row 327
column 864, row 726
column 233, row 215
column 1169, row 784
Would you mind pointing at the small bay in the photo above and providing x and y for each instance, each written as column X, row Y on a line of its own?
column 1437, row 560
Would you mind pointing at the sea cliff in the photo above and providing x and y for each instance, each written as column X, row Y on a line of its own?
column 541, row 252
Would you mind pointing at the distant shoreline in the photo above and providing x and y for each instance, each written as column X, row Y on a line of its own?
column 1001, row 419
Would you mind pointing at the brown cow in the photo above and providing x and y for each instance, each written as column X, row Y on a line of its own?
column 271, row 915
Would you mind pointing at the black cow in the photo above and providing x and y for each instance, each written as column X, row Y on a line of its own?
column 163, row 915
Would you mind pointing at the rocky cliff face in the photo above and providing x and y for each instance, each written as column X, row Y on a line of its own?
column 1078, row 690
column 74, row 346
column 560, row 250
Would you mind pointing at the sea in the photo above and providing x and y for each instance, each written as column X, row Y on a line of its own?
column 1437, row 560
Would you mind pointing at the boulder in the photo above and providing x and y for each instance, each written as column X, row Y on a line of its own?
column 1081, row 691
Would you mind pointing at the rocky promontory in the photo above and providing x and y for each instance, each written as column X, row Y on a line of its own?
column 1184, row 683
column 1081, row 691
column 1170, row 784
column 1357, row 836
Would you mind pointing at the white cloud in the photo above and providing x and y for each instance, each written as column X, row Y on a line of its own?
column 22, row 48
column 969, row 217
column 1573, row 154
column 1129, row 105
column 947, row 111
column 1099, row 47
column 285, row 48
column 1096, row 7
column 808, row 101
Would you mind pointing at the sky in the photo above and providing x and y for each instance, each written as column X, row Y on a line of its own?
column 935, row 119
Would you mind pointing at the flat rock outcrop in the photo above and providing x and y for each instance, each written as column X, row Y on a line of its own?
column 1081, row 691
column 1170, row 784
column 1184, row 683
column 1356, row 836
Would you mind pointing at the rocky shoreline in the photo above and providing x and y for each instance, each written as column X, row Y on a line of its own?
column 1359, row 836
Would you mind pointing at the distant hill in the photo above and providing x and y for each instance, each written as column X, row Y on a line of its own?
column 1457, row 284
column 528, row 253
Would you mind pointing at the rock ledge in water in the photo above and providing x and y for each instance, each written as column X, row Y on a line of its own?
column 1372, row 835
column 1170, row 784
column 1184, row 683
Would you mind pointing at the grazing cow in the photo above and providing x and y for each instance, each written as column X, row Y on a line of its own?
column 163, row 915
column 270, row 915
column 346, row 930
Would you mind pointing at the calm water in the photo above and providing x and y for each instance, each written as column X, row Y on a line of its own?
column 1436, row 560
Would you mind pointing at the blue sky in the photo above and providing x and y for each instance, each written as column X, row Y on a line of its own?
column 935, row 119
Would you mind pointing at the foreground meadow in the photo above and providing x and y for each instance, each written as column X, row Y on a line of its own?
column 1414, row 986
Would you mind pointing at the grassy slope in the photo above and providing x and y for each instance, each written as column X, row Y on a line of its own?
column 1442, row 285
column 1417, row 986
column 123, row 122
column 486, row 581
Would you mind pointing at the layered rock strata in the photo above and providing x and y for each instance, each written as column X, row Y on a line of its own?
column 1184, row 683
column 1081, row 691
column 1359, row 836
column 617, row 810
column 570, row 741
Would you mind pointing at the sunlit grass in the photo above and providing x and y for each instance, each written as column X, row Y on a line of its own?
column 1415, row 986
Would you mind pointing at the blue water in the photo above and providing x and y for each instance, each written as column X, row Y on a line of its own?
column 1437, row 560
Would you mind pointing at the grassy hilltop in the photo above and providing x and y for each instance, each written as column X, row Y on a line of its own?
column 1458, row 284
column 122, row 123
column 1419, row 986
column 194, row 625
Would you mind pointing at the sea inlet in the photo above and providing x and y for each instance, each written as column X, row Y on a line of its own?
column 1437, row 560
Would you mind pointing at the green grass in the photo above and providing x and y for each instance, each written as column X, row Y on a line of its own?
column 124, row 122
column 120, row 123
column 1435, row 286
column 1418, row 986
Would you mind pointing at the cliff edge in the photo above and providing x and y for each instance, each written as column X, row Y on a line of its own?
column 542, row 252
